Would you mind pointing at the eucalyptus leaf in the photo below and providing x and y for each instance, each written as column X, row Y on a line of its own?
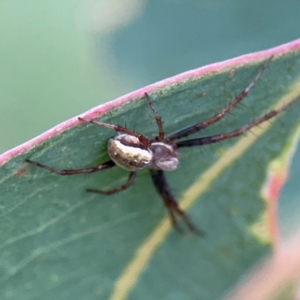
column 59, row 242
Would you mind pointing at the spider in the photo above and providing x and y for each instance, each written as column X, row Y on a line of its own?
column 133, row 151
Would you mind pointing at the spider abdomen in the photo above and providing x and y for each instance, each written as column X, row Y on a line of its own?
column 128, row 152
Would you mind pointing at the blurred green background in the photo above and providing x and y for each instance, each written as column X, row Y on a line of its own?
column 60, row 58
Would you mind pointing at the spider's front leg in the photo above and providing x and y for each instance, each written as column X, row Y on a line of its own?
column 238, row 132
column 163, row 188
column 161, row 132
column 106, row 165
column 217, row 117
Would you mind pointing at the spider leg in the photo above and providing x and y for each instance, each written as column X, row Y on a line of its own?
column 224, row 136
column 199, row 126
column 161, row 132
column 163, row 188
column 123, row 187
column 106, row 165
column 119, row 128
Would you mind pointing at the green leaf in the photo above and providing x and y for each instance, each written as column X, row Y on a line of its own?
column 60, row 242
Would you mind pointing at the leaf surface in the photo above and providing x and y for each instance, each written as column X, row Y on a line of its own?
column 59, row 242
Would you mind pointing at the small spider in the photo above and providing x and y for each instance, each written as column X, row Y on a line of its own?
column 133, row 151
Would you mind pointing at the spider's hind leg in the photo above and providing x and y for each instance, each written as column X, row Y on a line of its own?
column 163, row 188
column 119, row 128
column 123, row 187
column 106, row 165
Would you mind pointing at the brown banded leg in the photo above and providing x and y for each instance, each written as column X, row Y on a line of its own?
column 161, row 132
column 106, row 165
column 123, row 187
column 202, row 125
column 224, row 136
column 119, row 128
column 164, row 190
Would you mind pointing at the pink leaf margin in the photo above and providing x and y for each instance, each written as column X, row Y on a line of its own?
column 277, row 175
column 98, row 111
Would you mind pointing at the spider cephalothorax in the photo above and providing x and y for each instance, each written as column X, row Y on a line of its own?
column 133, row 151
